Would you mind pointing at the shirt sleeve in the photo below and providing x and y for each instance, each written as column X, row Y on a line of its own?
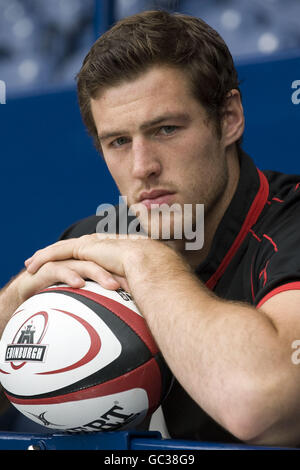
column 277, row 263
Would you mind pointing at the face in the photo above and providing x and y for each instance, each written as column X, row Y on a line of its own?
column 158, row 144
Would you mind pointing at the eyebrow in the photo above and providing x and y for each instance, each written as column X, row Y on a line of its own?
column 182, row 117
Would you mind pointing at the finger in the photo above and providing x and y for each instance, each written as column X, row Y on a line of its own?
column 71, row 272
column 94, row 272
column 74, row 273
column 60, row 242
column 32, row 283
column 60, row 272
column 123, row 283
column 61, row 250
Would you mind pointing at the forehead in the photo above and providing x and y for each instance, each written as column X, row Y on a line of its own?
column 157, row 91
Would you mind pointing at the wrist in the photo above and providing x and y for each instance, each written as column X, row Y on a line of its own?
column 148, row 258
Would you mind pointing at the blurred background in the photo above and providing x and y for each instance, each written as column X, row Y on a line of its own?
column 51, row 175
column 42, row 43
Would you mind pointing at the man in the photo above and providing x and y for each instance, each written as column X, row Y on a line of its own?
column 159, row 95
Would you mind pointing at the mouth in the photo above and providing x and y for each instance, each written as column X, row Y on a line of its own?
column 156, row 197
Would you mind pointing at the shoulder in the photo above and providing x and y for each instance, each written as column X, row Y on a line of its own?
column 283, row 186
column 82, row 227
column 112, row 221
column 278, row 227
column 283, row 205
column 275, row 238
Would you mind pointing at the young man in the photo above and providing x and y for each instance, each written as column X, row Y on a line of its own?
column 159, row 95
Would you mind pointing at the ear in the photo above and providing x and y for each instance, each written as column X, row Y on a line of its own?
column 233, row 122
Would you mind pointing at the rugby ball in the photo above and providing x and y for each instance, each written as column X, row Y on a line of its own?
column 82, row 360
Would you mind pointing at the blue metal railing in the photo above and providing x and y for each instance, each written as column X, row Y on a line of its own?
column 104, row 16
column 122, row 440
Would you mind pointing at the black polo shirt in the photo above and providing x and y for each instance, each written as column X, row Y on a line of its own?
column 255, row 254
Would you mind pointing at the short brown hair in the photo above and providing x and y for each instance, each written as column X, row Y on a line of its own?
column 138, row 42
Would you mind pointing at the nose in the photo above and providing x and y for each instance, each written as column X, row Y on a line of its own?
column 145, row 160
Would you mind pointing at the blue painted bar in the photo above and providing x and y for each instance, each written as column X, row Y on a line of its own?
column 123, row 440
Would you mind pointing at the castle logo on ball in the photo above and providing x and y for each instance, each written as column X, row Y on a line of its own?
column 26, row 345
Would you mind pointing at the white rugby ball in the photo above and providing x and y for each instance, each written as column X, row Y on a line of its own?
column 81, row 360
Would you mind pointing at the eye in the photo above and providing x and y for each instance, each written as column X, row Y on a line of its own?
column 119, row 142
column 167, row 130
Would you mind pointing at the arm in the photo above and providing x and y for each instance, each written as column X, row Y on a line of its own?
column 233, row 360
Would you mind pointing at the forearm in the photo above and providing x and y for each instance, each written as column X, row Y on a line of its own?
column 224, row 354
column 9, row 302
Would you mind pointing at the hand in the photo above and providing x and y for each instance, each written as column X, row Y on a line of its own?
column 107, row 253
column 71, row 272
